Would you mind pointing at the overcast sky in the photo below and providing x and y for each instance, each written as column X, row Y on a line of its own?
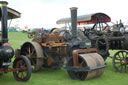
column 45, row 13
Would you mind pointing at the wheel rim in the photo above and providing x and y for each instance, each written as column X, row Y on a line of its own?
column 120, row 61
column 21, row 74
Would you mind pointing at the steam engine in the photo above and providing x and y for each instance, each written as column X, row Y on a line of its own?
column 6, row 52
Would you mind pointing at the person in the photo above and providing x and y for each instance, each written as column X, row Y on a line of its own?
column 81, row 35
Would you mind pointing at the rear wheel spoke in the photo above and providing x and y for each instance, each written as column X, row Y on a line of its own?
column 126, row 55
column 81, row 63
column 123, row 55
column 119, row 56
column 117, row 62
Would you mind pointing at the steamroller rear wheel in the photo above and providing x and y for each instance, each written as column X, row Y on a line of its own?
column 23, row 65
column 91, row 60
column 35, row 54
column 120, row 61
column 102, row 46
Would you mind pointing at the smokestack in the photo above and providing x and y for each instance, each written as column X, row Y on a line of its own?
column 4, row 18
column 74, row 22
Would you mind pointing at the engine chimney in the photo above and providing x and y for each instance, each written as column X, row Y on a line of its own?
column 74, row 22
column 4, row 17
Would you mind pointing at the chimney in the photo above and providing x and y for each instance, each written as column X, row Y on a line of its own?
column 74, row 22
column 4, row 18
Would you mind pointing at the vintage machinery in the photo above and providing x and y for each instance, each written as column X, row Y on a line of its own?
column 119, row 40
column 56, row 48
column 93, row 33
column 116, row 39
column 21, row 66
column 103, row 37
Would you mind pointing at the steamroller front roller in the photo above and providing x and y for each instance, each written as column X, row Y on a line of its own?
column 90, row 65
column 34, row 52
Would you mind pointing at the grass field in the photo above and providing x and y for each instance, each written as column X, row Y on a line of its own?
column 60, row 77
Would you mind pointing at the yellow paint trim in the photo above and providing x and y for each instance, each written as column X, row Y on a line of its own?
column 52, row 45
column 3, row 4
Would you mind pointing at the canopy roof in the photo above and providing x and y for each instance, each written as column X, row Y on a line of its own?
column 87, row 19
column 12, row 14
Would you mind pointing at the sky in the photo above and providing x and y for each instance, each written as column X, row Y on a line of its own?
column 45, row 13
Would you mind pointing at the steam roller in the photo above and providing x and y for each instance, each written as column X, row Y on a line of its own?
column 85, row 63
column 55, row 49
column 84, row 66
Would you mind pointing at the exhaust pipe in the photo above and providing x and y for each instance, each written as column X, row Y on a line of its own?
column 4, row 18
column 74, row 22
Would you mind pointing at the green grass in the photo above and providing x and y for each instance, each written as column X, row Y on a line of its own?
column 17, row 39
column 60, row 77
